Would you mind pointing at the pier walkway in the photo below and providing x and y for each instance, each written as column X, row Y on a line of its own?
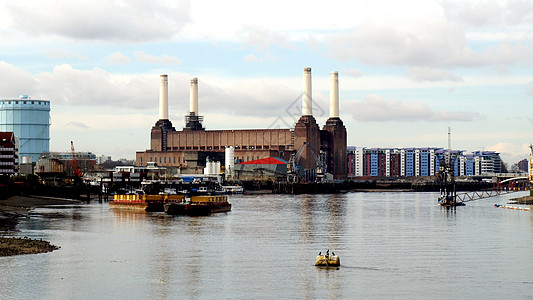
column 506, row 186
column 466, row 197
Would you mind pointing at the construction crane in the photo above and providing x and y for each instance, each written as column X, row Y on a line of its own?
column 75, row 169
column 319, row 166
column 293, row 168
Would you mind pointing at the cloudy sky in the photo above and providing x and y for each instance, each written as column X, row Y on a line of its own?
column 408, row 70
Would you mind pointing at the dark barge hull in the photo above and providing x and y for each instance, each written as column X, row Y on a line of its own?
column 189, row 209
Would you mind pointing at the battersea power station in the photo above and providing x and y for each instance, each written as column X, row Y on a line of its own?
column 305, row 145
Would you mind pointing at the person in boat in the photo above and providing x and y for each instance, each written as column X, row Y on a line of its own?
column 319, row 253
column 332, row 253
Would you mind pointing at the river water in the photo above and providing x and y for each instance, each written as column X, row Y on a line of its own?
column 391, row 245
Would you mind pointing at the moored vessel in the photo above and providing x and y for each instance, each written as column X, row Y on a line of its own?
column 199, row 205
column 149, row 203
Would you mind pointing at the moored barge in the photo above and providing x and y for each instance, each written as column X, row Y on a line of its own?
column 149, row 203
column 199, row 206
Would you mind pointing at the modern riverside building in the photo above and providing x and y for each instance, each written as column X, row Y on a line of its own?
column 413, row 162
column 29, row 120
column 8, row 154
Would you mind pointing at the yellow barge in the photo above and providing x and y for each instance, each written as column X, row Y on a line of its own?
column 150, row 203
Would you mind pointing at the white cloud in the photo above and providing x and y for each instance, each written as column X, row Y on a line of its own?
column 510, row 153
column 430, row 74
column 353, row 73
column 488, row 12
column 477, row 13
column 429, row 43
column 151, row 59
column 262, row 38
column 529, row 89
column 65, row 54
column 117, row 58
column 131, row 21
column 376, row 109
column 68, row 86
column 14, row 81
column 251, row 58
column 421, row 42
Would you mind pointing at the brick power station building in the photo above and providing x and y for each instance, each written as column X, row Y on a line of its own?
column 189, row 148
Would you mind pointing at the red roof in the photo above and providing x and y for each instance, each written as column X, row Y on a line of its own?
column 6, row 135
column 265, row 161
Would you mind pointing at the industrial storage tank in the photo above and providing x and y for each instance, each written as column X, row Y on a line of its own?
column 229, row 164
column 29, row 120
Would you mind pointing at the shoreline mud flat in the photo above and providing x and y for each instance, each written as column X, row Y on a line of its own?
column 14, row 208
column 528, row 200
column 17, row 246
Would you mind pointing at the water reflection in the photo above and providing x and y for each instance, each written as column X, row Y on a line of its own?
column 390, row 244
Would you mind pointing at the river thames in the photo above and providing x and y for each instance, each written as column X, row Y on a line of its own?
column 392, row 245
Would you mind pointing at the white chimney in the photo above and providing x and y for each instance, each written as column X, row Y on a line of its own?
column 193, row 102
column 334, row 95
column 307, row 99
column 163, row 98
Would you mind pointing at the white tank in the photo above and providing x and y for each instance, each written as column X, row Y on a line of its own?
column 216, row 169
column 26, row 159
column 229, row 164
column 207, row 169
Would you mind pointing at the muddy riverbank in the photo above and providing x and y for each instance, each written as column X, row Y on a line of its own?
column 15, row 208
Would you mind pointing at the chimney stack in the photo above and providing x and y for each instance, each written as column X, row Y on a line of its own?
column 193, row 102
column 163, row 98
column 307, row 99
column 334, row 95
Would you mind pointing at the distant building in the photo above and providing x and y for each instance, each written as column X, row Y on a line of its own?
column 531, row 166
column 413, row 162
column 29, row 120
column 190, row 148
column 84, row 160
column 523, row 165
column 487, row 162
column 8, row 154
column 102, row 159
column 261, row 169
